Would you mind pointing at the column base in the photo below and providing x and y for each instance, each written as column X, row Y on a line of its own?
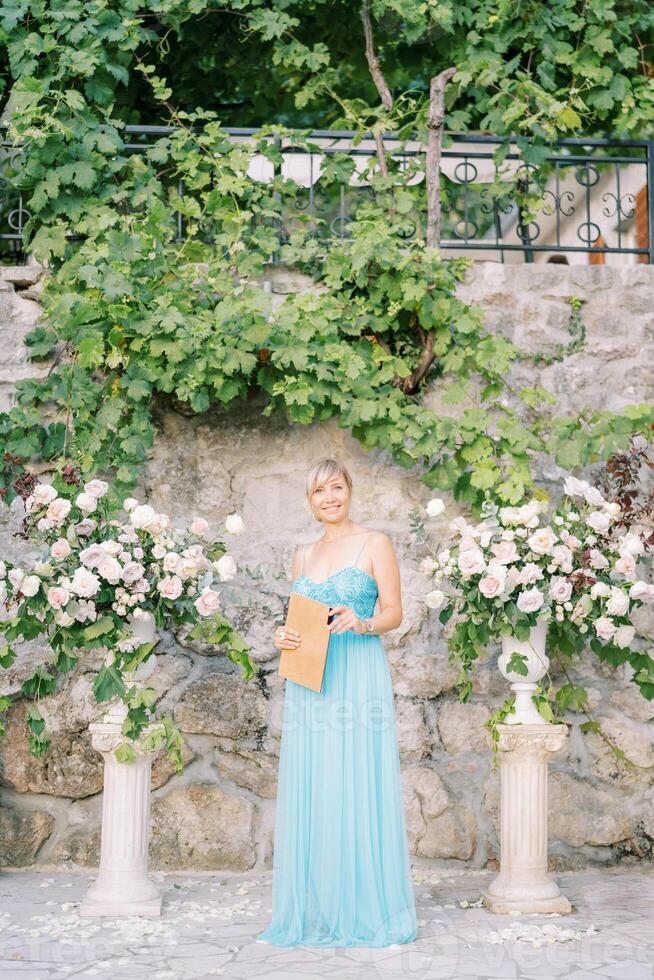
column 504, row 906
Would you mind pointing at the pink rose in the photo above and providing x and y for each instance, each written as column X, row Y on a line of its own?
column 626, row 565
column 207, row 603
column 58, row 596
column 491, row 586
column 471, row 561
column 604, row 627
column 60, row 549
column 58, row 510
column 199, row 526
column 170, row 587
column 505, row 551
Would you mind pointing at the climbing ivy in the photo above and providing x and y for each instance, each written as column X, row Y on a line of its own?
column 157, row 261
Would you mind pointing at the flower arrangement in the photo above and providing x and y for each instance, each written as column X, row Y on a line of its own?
column 519, row 566
column 96, row 581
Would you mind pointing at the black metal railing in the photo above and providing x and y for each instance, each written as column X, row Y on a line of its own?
column 588, row 196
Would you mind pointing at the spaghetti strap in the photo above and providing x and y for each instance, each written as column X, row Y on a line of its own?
column 302, row 549
column 361, row 549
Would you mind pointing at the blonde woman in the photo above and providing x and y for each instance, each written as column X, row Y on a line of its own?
column 341, row 868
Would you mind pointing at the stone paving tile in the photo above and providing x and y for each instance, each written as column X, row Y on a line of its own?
column 209, row 922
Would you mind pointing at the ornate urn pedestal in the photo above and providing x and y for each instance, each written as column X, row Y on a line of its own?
column 525, row 742
column 123, row 887
column 524, row 884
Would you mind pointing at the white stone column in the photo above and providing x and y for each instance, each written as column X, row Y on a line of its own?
column 524, row 883
column 122, row 886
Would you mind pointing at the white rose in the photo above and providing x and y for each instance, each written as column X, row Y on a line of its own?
column 111, row 547
column 434, row 599
column 573, row 487
column 542, row 541
column 427, row 566
column 639, row 590
column 170, row 587
column 234, row 524
column 58, row 596
column 492, row 585
column 129, row 503
column 597, row 559
column 92, row 555
column 60, row 549
column 600, row 590
column 16, row 576
column 471, row 561
column 158, row 524
column 86, row 611
column 158, row 551
column 604, row 627
column 58, row 510
column 530, row 600
column 171, row 561
column 84, row 583
column 530, row 573
column 207, row 603
column 618, row 603
column 97, row 488
column 435, row 506
column 560, row 588
column 199, row 527
column 561, row 554
column 594, row 497
column 505, row 551
column 44, row 494
column 87, row 526
column 226, row 567
column 612, row 508
column 599, row 521
column 110, row 569
column 132, row 572
column 142, row 516
column 86, row 502
column 623, row 636
column 631, row 544
column 30, row 585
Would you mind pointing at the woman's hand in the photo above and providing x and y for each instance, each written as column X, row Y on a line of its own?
column 286, row 638
column 345, row 619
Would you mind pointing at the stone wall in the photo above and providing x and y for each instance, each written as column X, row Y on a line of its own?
column 219, row 814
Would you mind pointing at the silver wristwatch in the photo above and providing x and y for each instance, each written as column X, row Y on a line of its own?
column 368, row 625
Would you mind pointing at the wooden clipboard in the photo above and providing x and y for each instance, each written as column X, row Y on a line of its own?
column 305, row 664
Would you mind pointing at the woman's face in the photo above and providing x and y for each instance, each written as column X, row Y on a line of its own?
column 331, row 500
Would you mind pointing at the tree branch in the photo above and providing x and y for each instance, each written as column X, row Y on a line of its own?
column 379, row 80
column 435, row 120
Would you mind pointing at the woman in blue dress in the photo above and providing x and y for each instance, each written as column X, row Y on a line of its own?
column 341, row 868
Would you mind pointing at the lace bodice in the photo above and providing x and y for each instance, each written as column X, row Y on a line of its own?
column 350, row 586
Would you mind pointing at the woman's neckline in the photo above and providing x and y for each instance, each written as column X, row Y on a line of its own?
column 338, row 572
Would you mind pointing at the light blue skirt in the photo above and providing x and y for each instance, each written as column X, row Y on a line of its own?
column 341, row 868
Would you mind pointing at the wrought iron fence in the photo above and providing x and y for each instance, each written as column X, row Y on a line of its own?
column 588, row 196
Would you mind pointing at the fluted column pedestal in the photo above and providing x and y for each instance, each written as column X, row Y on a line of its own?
column 122, row 886
column 524, row 883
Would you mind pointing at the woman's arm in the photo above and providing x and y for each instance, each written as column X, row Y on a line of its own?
column 291, row 639
column 386, row 571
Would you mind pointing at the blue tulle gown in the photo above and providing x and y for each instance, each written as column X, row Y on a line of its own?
column 341, row 868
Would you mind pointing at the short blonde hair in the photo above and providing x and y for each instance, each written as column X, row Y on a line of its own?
column 325, row 469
